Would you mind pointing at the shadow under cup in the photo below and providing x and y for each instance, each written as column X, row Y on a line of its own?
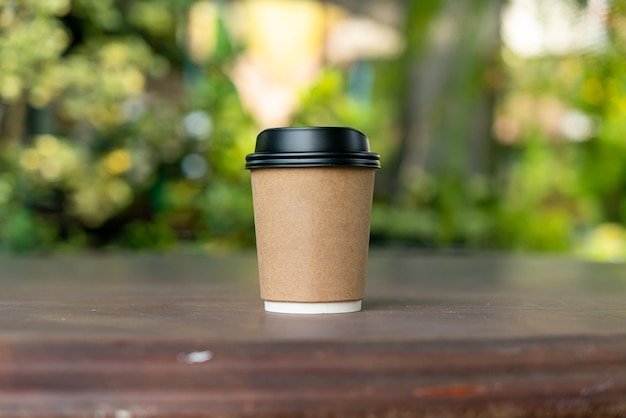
column 312, row 194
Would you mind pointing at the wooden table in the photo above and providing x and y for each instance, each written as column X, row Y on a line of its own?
column 186, row 336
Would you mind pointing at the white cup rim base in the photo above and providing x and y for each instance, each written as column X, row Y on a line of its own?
column 313, row 308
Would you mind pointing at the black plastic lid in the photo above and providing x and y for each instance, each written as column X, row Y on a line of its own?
column 312, row 147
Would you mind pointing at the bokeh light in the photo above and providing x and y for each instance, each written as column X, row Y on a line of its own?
column 125, row 125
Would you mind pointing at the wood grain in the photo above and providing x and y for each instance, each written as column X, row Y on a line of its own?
column 185, row 336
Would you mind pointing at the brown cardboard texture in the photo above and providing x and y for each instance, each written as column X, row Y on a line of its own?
column 312, row 231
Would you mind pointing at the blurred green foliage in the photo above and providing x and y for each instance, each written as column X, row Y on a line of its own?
column 563, row 192
column 113, row 137
column 117, row 167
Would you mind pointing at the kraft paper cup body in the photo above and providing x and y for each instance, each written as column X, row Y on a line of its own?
column 312, row 226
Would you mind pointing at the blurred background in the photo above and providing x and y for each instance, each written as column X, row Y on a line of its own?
column 124, row 124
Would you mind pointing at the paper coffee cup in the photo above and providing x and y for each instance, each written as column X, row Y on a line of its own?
column 312, row 194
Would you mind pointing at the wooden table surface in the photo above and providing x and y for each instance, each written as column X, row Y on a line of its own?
column 185, row 335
